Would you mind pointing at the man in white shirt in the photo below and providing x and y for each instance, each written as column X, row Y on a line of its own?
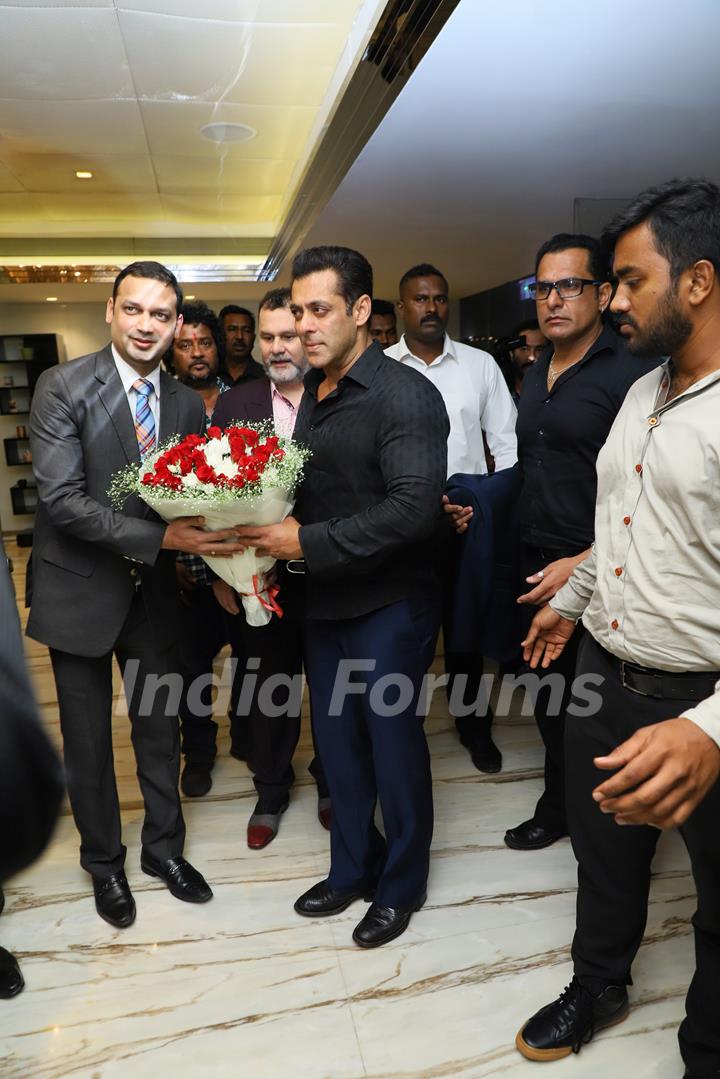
column 477, row 400
column 649, row 597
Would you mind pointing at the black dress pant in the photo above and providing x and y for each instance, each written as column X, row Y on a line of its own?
column 205, row 629
column 85, row 695
column 550, row 810
column 614, row 862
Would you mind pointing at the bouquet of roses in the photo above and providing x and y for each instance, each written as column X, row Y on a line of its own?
column 244, row 475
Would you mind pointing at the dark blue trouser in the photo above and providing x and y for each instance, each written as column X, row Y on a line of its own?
column 369, row 754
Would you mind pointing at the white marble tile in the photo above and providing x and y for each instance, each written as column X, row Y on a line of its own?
column 243, row 987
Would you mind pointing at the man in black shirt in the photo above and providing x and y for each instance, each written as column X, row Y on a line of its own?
column 239, row 326
column 365, row 522
column 569, row 401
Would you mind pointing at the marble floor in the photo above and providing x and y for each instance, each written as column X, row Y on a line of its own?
column 244, row 987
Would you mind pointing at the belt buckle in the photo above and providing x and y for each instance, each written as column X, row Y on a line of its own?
column 296, row 562
column 657, row 693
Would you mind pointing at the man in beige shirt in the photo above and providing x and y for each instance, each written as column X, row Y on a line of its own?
column 649, row 597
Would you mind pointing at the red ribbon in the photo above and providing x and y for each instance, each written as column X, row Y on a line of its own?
column 271, row 603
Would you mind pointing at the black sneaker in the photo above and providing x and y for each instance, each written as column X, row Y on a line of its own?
column 571, row 1021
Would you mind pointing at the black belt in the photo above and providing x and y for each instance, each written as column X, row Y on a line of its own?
column 664, row 685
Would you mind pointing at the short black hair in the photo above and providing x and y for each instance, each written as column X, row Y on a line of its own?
column 383, row 307
column 354, row 272
column 233, row 309
column 423, row 269
column 527, row 324
column 566, row 241
column 154, row 271
column 684, row 218
column 195, row 312
column 275, row 299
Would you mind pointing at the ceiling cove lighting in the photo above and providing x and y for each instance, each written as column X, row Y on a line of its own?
column 223, row 132
column 51, row 299
column 83, row 174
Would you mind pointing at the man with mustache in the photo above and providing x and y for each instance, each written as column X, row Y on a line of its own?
column 383, row 323
column 477, row 400
column 523, row 356
column 239, row 328
column 570, row 398
column 278, row 646
column 103, row 581
column 649, row 597
column 195, row 358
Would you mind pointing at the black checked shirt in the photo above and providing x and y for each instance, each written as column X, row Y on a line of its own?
column 370, row 502
column 560, row 434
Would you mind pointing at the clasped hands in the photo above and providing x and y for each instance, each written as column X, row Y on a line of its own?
column 274, row 541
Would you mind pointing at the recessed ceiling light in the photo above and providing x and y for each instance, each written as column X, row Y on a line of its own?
column 191, row 296
column 83, row 174
column 228, row 132
column 51, row 299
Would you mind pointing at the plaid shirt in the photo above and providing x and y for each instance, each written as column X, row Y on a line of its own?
column 193, row 563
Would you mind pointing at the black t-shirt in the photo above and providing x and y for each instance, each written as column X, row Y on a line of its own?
column 560, row 434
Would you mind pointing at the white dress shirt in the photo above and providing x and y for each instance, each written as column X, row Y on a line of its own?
column 650, row 591
column 476, row 398
column 128, row 375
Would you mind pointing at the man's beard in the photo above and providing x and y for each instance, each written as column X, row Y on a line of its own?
column 293, row 373
column 195, row 382
column 666, row 331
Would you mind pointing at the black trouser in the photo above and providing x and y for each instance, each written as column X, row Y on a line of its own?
column 206, row 628
column 614, row 862
column 549, row 715
column 85, row 695
column 464, row 668
column 271, row 697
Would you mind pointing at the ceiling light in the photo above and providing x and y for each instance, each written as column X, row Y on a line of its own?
column 228, row 132
column 51, row 299
column 190, row 297
column 83, row 174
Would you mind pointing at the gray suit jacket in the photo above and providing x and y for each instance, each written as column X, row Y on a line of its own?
column 86, row 554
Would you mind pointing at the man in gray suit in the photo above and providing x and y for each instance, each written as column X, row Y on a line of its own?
column 104, row 582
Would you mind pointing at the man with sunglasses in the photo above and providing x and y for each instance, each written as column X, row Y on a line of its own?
column 570, row 398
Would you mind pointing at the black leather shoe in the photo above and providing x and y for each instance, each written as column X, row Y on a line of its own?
column 563, row 1027
column 382, row 924
column 113, row 900
column 182, row 879
column 531, row 836
column 484, row 754
column 195, row 780
column 11, row 979
column 321, row 900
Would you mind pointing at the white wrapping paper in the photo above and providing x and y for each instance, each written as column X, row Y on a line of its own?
column 239, row 570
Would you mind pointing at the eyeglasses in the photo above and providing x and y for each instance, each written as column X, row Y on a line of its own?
column 566, row 289
column 204, row 343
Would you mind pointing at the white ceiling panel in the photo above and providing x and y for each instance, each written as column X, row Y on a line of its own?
column 260, row 64
column 130, row 208
column 15, row 209
column 226, row 215
column 193, row 175
column 88, row 40
column 281, row 133
column 298, row 12
column 94, row 127
column 56, row 173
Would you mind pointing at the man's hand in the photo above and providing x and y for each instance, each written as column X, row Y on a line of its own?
column 275, row 541
column 550, row 579
column 665, row 772
column 547, row 636
column 187, row 534
column 459, row 515
column 226, row 596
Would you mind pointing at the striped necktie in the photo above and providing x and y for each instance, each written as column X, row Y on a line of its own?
column 144, row 419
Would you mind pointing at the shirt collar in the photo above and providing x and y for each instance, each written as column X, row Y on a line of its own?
column 128, row 374
column 362, row 371
column 404, row 352
column 607, row 341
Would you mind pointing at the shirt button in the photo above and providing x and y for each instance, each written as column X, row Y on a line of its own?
column 614, row 624
column 618, row 571
column 638, row 469
column 312, row 426
column 627, row 520
column 541, row 432
column 133, row 572
column 547, row 400
column 652, row 421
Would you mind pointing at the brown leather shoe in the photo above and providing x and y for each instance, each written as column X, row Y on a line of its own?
column 263, row 827
column 324, row 812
